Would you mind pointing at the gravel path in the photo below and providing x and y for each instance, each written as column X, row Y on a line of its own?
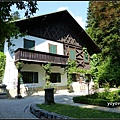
column 19, row 108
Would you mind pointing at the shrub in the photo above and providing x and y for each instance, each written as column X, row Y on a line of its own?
column 86, row 100
column 2, row 65
column 99, row 98
column 91, row 101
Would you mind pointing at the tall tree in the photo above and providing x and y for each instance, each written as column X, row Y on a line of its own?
column 7, row 28
column 15, row 15
column 103, row 25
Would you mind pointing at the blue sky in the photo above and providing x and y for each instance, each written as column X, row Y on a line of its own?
column 78, row 9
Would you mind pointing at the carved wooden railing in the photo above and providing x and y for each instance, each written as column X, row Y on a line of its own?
column 22, row 54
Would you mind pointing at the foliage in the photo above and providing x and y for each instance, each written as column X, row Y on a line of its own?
column 15, row 15
column 48, row 84
column 100, row 99
column 85, row 53
column 77, row 112
column 103, row 24
column 19, row 66
column 71, row 67
column 90, row 101
column 95, row 87
column 47, row 68
column 94, row 63
column 8, row 28
column 2, row 65
column 109, row 72
column 107, row 94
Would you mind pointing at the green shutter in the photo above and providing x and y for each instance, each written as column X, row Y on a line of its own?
column 53, row 49
column 50, row 48
column 72, row 55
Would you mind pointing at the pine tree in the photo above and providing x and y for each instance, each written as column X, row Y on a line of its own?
column 103, row 25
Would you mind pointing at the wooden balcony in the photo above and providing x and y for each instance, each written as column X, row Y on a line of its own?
column 32, row 56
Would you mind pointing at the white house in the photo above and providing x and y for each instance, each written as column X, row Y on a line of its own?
column 53, row 38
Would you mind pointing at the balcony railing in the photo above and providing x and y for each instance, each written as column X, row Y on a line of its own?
column 22, row 54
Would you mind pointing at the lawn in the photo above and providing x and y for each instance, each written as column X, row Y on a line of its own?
column 77, row 112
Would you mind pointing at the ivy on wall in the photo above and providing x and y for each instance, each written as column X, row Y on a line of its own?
column 72, row 68
column 2, row 65
column 47, row 68
column 86, row 56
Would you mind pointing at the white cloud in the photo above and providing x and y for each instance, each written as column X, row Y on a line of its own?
column 79, row 19
column 62, row 8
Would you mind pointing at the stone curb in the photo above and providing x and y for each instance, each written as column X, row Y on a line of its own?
column 41, row 113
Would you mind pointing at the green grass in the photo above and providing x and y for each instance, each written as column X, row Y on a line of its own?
column 77, row 112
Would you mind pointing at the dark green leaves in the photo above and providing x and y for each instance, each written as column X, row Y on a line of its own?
column 103, row 27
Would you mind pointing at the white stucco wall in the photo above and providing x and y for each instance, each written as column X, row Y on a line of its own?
column 41, row 74
column 10, row 75
column 40, row 44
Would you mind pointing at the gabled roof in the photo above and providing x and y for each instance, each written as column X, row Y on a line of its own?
column 64, row 15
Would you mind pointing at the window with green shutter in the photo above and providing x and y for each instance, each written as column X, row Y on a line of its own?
column 72, row 54
column 53, row 48
column 29, row 44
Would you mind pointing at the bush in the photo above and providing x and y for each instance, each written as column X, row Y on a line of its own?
column 86, row 100
column 118, row 91
column 91, row 101
column 99, row 98
column 2, row 65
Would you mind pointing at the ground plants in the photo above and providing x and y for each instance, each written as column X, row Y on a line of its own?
column 77, row 112
column 47, row 68
column 2, row 65
column 100, row 98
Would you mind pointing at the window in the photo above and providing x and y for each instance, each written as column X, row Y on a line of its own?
column 29, row 77
column 86, row 57
column 52, row 48
column 55, row 77
column 29, row 44
column 75, row 77
column 72, row 54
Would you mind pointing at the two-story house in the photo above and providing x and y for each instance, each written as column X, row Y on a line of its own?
column 55, row 38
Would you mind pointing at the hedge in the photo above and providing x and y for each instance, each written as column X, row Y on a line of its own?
column 95, row 101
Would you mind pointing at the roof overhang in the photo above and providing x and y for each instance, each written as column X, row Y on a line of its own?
column 24, row 24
